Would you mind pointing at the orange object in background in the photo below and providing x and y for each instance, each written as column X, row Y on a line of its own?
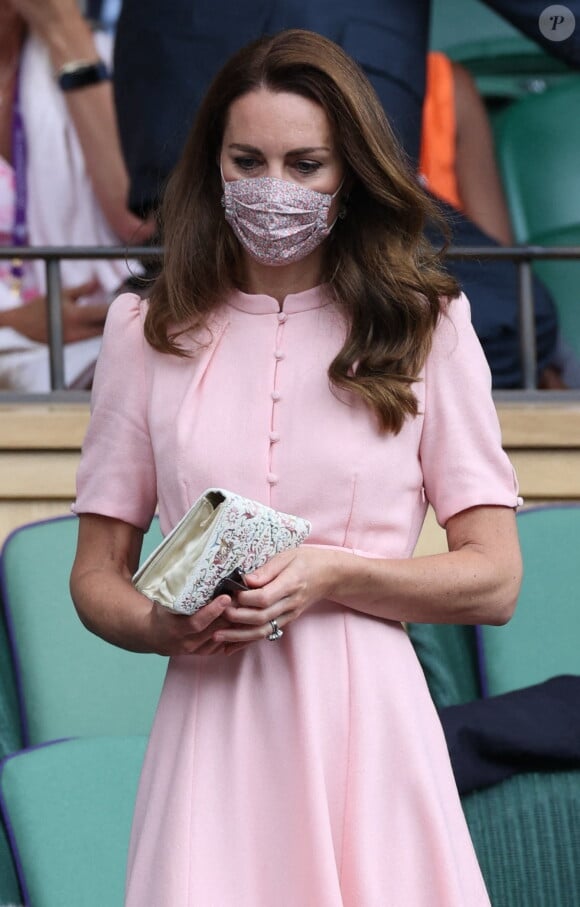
column 437, row 159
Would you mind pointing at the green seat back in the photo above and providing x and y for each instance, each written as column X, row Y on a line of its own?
column 69, row 807
column 10, row 740
column 10, row 732
column 455, row 22
column 504, row 63
column 542, row 640
column 448, row 656
column 509, row 68
column 526, row 833
column 563, row 280
column 537, row 140
column 71, row 683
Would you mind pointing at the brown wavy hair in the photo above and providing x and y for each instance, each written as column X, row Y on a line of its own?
column 386, row 277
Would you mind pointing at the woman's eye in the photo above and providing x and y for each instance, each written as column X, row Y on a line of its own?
column 246, row 163
column 307, row 166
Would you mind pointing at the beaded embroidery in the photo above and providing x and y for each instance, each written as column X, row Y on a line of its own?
column 242, row 534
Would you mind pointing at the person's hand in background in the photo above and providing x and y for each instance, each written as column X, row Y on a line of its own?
column 79, row 322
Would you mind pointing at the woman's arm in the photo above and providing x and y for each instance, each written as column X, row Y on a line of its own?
column 478, row 176
column 109, row 606
column 68, row 38
column 477, row 581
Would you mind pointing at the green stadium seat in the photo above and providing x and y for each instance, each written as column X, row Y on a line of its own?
column 57, row 679
column 510, row 68
column 542, row 640
column 70, row 682
column 505, row 64
column 562, row 278
column 448, row 656
column 455, row 22
column 526, row 829
column 526, row 832
column 68, row 807
column 537, row 142
column 10, row 740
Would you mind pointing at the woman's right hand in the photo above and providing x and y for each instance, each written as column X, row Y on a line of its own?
column 180, row 634
column 108, row 553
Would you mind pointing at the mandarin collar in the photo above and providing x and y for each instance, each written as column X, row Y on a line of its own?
column 260, row 304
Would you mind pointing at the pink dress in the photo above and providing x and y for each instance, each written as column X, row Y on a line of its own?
column 310, row 772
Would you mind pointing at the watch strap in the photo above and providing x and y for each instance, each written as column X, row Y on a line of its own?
column 81, row 74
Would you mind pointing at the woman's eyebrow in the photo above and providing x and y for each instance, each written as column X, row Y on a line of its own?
column 250, row 149
column 311, row 150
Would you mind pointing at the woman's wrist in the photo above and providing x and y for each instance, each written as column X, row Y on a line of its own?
column 342, row 568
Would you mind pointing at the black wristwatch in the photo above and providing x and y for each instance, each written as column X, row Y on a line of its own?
column 81, row 74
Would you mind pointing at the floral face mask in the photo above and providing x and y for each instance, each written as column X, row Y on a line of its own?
column 277, row 221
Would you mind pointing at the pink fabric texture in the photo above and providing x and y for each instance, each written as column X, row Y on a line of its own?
column 313, row 771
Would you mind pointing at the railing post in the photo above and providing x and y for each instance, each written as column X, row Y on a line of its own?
column 528, row 353
column 55, row 327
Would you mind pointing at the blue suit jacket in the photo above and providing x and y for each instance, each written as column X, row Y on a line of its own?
column 167, row 52
column 173, row 50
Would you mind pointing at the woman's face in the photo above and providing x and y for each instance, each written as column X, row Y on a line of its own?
column 283, row 135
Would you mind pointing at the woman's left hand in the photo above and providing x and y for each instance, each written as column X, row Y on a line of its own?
column 42, row 15
column 62, row 28
column 281, row 590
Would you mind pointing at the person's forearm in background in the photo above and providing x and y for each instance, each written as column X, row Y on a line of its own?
column 68, row 38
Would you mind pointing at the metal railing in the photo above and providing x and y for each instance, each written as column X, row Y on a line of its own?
column 522, row 256
column 52, row 256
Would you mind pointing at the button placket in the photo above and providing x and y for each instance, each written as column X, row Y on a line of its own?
column 274, row 436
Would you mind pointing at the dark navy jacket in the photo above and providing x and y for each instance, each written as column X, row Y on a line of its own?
column 167, row 52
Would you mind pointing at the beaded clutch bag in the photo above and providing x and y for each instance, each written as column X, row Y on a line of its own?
column 221, row 537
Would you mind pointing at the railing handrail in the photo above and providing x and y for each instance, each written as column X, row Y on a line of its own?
column 515, row 253
column 521, row 255
column 49, row 253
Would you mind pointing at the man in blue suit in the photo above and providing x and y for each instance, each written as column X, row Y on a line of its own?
column 167, row 52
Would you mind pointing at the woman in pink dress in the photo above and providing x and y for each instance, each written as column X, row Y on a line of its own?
column 302, row 347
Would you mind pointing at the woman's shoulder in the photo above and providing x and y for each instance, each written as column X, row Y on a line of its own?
column 127, row 309
column 453, row 323
column 455, row 348
column 124, row 323
column 456, row 309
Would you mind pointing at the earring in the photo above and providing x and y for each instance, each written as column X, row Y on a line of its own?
column 342, row 210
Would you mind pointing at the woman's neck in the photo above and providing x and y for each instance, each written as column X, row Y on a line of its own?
column 280, row 282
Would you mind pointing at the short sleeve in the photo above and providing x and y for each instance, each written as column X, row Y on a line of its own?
column 116, row 474
column 463, row 462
